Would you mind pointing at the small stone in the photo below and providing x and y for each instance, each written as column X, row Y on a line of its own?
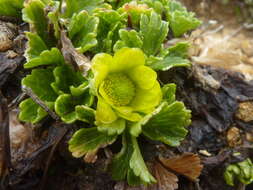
column 249, row 137
column 205, row 153
column 7, row 34
column 11, row 54
column 245, row 111
column 234, row 137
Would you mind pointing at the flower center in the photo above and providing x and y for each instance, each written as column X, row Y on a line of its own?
column 120, row 90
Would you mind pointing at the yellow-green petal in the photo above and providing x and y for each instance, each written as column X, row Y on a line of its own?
column 144, row 77
column 100, row 67
column 127, row 58
column 146, row 100
column 104, row 113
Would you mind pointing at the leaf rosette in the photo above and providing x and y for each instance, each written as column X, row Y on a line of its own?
column 121, row 92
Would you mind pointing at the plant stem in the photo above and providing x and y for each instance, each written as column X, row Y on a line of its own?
column 241, row 186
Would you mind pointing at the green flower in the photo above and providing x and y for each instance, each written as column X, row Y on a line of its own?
column 125, row 87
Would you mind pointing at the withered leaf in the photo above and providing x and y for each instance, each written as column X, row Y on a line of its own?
column 73, row 57
column 188, row 164
column 165, row 179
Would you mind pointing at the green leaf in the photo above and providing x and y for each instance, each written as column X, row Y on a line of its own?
column 11, row 8
column 35, row 46
column 88, row 140
column 242, row 171
column 78, row 91
column 85, row 114
column 154, row 32
column 54, row 17
column 47, row 57
column 83, row 31
column 34, row 14
column 65, row 108
column 71, row 108
column 32, row 112
column 40, row 82
column 120, row 163
column 110, row 22
column 170, row 62
column 180, row 20
column 75, row 6
column 138, row 165
column 116, row 127
column 167, row 123
column 179, row 50
column 158, row 5
column 169, row 92
column 129, row 163
column 128, row 39
column 65, row 78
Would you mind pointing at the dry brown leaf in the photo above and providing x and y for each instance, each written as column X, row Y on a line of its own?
column 73, row 57
column 234, row 137
column 91, row 157
column 187, row 164
column 165, row 179
column 245, row 111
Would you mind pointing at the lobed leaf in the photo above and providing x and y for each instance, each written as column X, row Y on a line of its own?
column 83, row 31
column 47, row 57
column 71, row 108
column 35, row 46
column 54, row 17
column 242, row 171
column 34, row 14
column 75, row 6
column 117, row 127
column 65, row 108
column 65, row 77
column 154, row 32
column 167, row 123
column 169, row 92
column 181, row 20
column 40, row 82
column 32, row 112
column 88, row 140
column 129, row 163
column 110, row 22
column 85, row 113
column 170, row 62
column 138, row 165
column 159, row 6
column 179, row 50
column 129, row 39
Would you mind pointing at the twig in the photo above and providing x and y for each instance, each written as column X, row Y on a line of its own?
column 16, row 101
column 213, row 31
column 36, row 99
column 62, row 131
column 241, row 186
column 5, row 136
column 197, row 186
column 248, row 26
